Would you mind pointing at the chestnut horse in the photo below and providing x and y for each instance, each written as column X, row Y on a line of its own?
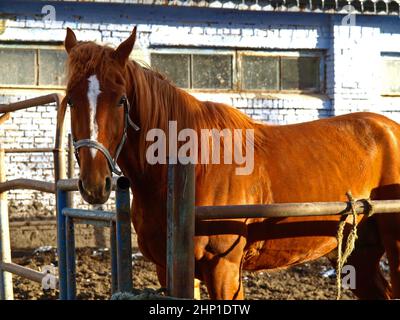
column 115, row 101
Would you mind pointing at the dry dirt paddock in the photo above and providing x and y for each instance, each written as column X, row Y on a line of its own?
column 307, row 281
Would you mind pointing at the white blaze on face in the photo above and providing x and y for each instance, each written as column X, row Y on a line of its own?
column 93, row 94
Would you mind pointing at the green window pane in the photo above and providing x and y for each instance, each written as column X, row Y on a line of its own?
column 52, row 67
column 174, row 66
column 300, row 73
column 391, row 76
column 260, row 73
column 17, row 67
column 212, row 71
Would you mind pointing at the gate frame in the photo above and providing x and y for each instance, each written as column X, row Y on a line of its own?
column 120, row 223
column 7, row 268
column 120, row 237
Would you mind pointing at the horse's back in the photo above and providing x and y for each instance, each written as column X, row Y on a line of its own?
column 334, row 152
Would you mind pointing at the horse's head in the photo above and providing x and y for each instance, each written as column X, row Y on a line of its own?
column 97, row 92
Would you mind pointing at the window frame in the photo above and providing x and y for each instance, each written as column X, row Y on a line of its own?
column 388, row 56
column 36, row 47
column 192, row 52
column 237, row 75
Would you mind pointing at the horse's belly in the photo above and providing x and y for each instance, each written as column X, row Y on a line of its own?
column 275, row 244
column 282, row 253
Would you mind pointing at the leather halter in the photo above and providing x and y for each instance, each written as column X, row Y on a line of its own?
column 112, row 162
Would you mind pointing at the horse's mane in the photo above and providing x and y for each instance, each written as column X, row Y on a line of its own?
column 156, row 98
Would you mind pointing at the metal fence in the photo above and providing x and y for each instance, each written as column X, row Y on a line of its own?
column 182, row 214
column 119, row 221
column 6, row 265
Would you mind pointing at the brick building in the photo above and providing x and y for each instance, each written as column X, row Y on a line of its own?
column 280, row 61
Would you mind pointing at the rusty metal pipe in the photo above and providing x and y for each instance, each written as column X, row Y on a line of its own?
column 59, row 157
column 34, row 102
column 27, row 184
column 6, row 285
column 72, row 184
column 89, row 214
column 30, row 274
column 28, row 150
column 68, row 184
column 180, row 230
column 281, row 210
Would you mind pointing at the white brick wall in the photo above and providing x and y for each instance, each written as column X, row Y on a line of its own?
column 352, row 64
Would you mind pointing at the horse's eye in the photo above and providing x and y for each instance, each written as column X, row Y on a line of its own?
column 70, row 103
column 122, row 102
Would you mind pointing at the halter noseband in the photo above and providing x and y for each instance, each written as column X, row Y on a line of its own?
column 88, row 143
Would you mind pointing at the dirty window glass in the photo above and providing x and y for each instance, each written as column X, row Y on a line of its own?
column 52, row 67
column 17, row 66
column 174, row 66
column 300, row 73
column 212, row 71
column 241, row 70
column 391, row 76
column 260, row 73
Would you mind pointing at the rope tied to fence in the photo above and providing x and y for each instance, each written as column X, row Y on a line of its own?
column 350, row 242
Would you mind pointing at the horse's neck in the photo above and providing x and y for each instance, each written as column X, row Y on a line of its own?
column 150, row 180
column 156, row 103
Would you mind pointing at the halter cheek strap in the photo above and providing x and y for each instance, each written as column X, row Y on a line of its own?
column 112, row 162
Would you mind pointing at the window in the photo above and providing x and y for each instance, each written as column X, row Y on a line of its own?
column 300, row 73
column 211, row 71
column 32, row 67
column 260, row 72
column 196, row 71
column 391, row 74
column 241, row 70
column 175, row 66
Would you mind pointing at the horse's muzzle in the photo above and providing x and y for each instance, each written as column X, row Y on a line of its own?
column 97, row 193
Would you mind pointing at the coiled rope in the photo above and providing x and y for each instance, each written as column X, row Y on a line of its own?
column 350, row 243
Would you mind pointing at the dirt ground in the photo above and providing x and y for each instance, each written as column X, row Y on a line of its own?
column 305, row 281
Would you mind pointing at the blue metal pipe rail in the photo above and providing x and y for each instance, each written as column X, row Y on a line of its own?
column 120, row 238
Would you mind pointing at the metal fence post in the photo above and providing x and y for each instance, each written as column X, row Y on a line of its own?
column 180, row 230
column 114, row 259
column 62, row 243
column 71, row 267
column 70, row 175
column 124, row 245
column 6, row 285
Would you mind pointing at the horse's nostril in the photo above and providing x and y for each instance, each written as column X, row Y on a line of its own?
column 108, row 184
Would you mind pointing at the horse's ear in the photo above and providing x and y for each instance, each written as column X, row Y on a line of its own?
column 121, row 54
column 70, row 40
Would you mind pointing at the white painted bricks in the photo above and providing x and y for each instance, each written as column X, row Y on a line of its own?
column 346, row 90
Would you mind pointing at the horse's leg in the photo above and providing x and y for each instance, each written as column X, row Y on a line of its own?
column 389, row 226
column 223, row 279
column 370, row 283
column 389, row 231
column 162, row 276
